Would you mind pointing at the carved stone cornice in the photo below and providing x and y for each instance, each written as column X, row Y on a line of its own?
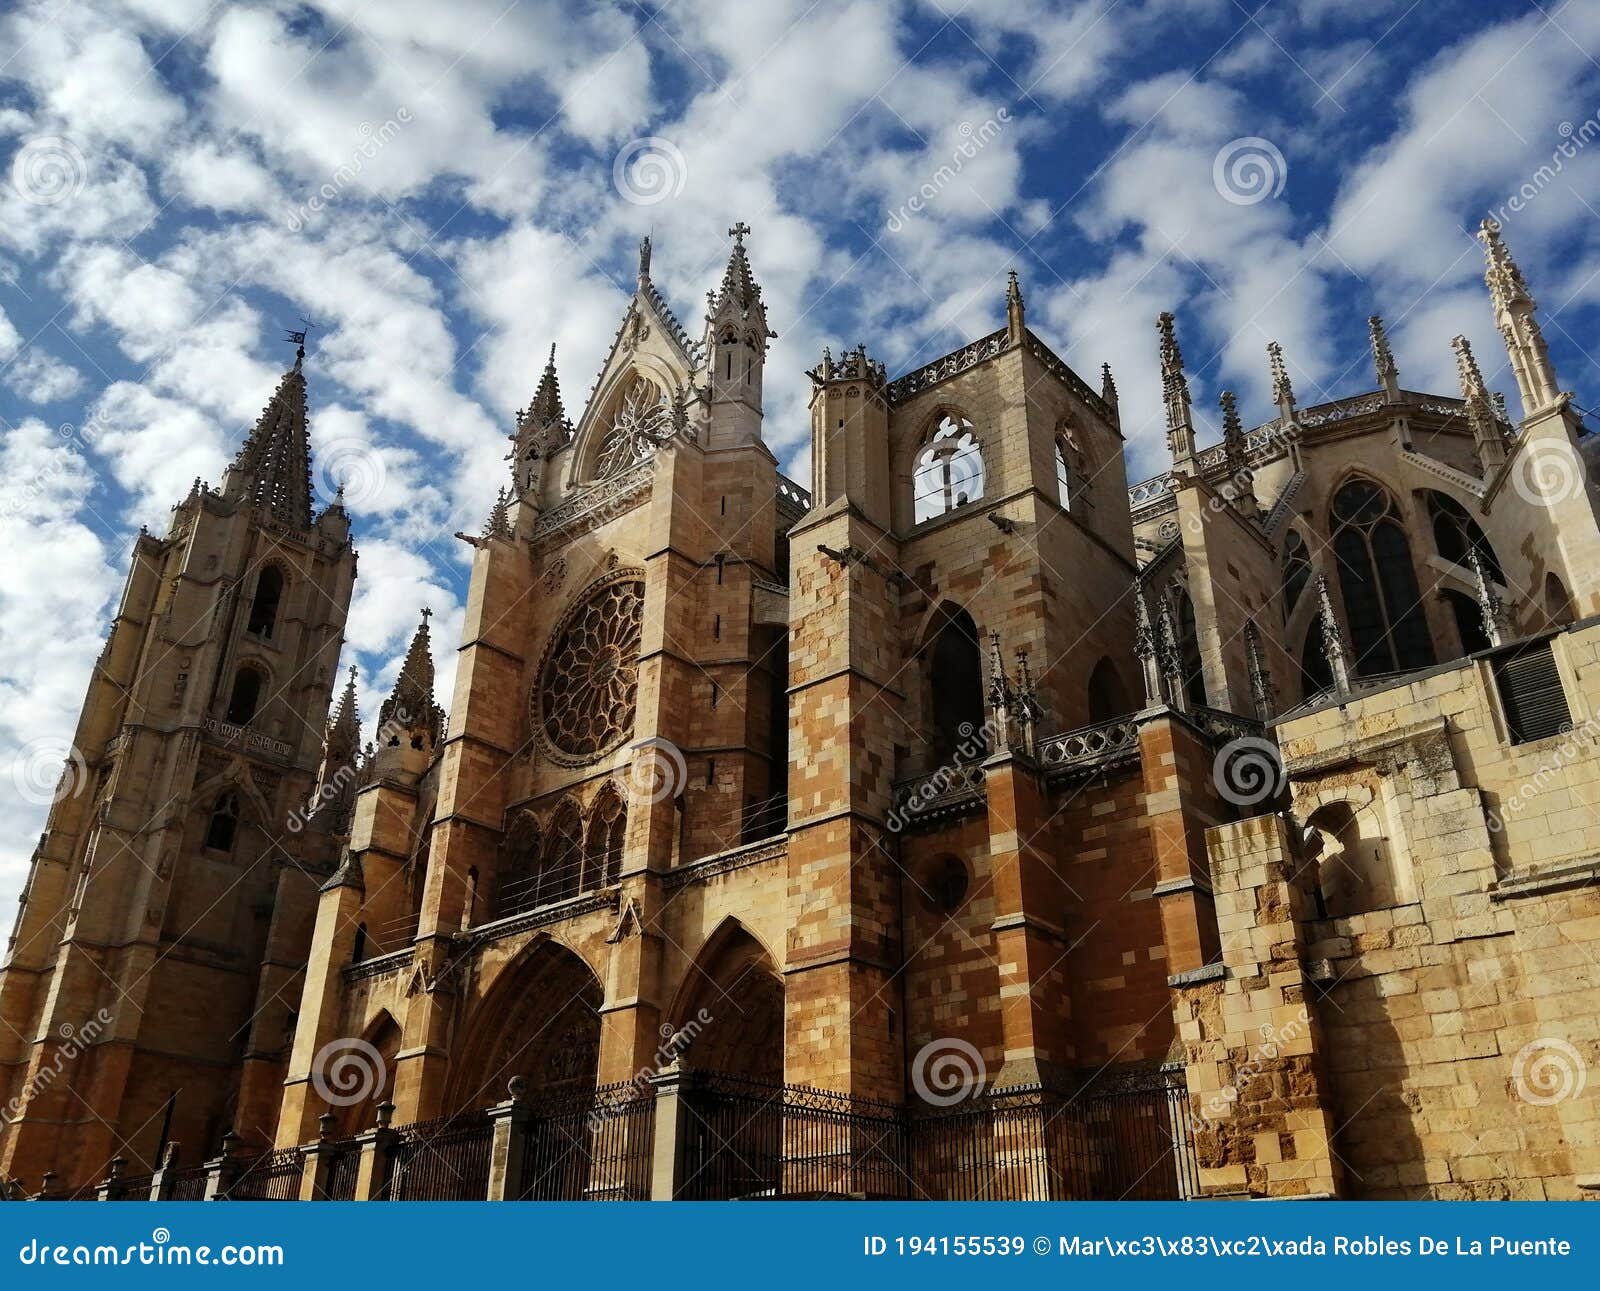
column 597, row 504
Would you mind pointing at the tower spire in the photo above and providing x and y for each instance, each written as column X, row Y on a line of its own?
column 344, row 729
column 272, row 470
column 1175, row 393
column 1514, row 315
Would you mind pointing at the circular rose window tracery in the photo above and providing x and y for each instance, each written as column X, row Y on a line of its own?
column 584, row 698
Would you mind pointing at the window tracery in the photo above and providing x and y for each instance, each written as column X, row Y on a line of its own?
column 949, row 470
column 585, row 696
column 640, row 425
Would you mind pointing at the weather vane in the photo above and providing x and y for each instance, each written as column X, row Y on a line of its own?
column 298, row 339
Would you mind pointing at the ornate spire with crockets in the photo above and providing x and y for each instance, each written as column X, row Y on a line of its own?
column 1241, row 480
column 1383, row 363
column 1108, row 385
column 273, row 468
column 739, row 287
column 1262, row 693
column 1282, row 388
column 1332, row 638
column 1486, row 431
column 1175, row 394
column 410, row 705
column 1145, row 647
column 344, row 728
column 1515, row 316
column 498, row 525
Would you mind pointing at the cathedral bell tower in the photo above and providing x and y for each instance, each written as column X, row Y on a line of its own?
column 147, row 992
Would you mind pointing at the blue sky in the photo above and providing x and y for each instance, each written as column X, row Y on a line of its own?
column 445, row 196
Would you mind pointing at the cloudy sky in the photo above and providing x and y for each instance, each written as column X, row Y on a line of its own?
column 446, row 190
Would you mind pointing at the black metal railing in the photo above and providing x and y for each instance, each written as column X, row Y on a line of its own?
column 133, row 1187
column 272, row 1176
column 443, row 1160
column 1126, row 1137
column 189, row 1185
column 344, row 1165
column 750, row 1139
column 590, row 1145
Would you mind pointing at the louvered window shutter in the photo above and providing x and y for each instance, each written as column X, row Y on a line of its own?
column 1531, row 695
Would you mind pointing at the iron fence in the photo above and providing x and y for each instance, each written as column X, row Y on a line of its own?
column 443, row 1160
column 190, row 1184
column 590, row 1145
column 133, row 1187
column 749, row 1139
column 272, row 1176
column 344, row 1164
column 1123, row 1137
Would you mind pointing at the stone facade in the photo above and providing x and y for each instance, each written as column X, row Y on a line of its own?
column 970, row 774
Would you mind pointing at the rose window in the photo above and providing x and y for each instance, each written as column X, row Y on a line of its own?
column 584, row 699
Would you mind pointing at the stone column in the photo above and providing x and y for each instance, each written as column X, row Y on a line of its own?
column 372, row 1176
column 671, row 1122
column 508, row 1151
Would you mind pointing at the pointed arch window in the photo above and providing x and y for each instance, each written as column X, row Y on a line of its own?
column 1194, row 676
column 264, row 607
column 1296, row 570
column 519, row 874
column 1378, row 582
column 1456, row 534
column 608, row 823
column 949, row 470
column 245, row 697
column 1107, row 696
column 561, row 866
column 223, row 827
column 955, row 691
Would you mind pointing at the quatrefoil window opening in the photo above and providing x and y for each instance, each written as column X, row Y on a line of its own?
column 640, row 425
column 587, row 690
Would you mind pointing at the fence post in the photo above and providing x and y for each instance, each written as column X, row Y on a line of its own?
column 317, row 1161
column 222, row 1170
column 372, row 1174
column 47, row 1183
column 671, row 1083
column 508, row 1149
column 107, row 1187
column 162, row 1180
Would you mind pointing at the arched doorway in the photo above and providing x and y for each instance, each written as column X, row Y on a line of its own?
column 540, row 1021
column 730, row 1012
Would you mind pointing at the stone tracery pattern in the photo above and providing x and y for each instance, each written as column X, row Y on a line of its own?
column 641, row 424
column 583, row 701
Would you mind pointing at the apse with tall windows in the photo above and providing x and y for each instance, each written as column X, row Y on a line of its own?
column 949, row 470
